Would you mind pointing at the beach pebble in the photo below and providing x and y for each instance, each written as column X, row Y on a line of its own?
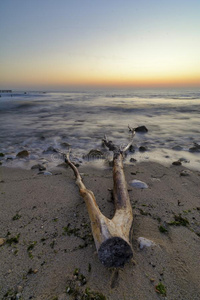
column 133, row 159
column 143, row 243
column 177, row 163
column 142, row 149
column 22, row 154
column 141, row 129
column 138, row 184
column 184, row 160
column 185, row 173
column 2, row 154
column 2, row 241
column 65, row 145
column 132, row 148
column 39, row 167
column 177, row 148
column 10, row 157
column 18, row 296
column 47, row 173
column 195, row 148
column 49, row 150
column 63, row 165
column 94, row 154
column 19, row 289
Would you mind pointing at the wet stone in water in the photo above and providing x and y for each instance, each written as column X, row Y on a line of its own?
column 39, row 167
column 50, row 150
column 22, row 154
column 94, row 154
column 141, row 129
column 142, row 149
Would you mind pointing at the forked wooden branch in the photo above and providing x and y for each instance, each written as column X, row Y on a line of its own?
column 112, row 236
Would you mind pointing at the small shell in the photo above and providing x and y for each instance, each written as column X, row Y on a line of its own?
column 138, row 184
column 143, row 242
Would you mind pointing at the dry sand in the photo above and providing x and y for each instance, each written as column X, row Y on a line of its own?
column 47, row 247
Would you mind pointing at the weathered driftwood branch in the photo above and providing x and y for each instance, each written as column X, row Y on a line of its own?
column 112, row 236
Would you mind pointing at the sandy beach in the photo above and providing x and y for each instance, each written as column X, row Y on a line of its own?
column 47, row 251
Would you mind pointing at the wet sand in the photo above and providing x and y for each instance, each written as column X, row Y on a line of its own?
column 47, row 250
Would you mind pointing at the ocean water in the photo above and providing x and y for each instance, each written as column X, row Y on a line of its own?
column 35, row 121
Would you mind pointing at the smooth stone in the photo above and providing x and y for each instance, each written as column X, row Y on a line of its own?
column 65, row 145
column 9, row 157
column 177, row 163
column 22, row 154
column 133, row 159
column 185, row 160
column 141, row 129
column 18, row 296
column 177, row 148
column 195, row 148
column 63, row 165
column 19, row 289
column 39, row 167
column 142, row 149
column 2, row 241
column 132, row 148
column 2, row 154
column 185, row 173
column 94, row 154
column 143, row 243
column 47, row 173
column 138, row 184
column 49, row 150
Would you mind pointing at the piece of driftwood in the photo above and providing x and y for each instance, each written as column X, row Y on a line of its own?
column 112, row 236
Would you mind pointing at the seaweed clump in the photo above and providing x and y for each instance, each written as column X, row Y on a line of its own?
column 77, row 293
column 179, row 221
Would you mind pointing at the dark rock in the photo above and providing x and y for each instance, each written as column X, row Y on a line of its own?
column 9, row 158
column 142, row 149
column 110, row 163
column 42, row 137
column 141, row 129
column 195, row 148
column 177, row 163
column 185, row 173
column 22, row 154
column 49, row 150
column 177, row 148
column 65, row 145
column 184, row 160
column 63, row 165
column 2, row 154
column 132, row 148
column 39, row 167
column 133, row 159
column 94, row 154
column 44, row 173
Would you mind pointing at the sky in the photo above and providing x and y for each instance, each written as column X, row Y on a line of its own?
column 55, row 44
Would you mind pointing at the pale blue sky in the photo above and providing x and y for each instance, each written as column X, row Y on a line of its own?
column 61, row 42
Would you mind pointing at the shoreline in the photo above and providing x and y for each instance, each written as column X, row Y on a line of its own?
column 49, row 220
